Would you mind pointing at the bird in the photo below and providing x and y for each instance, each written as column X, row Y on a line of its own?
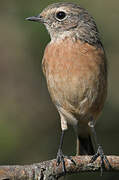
column 75, row 67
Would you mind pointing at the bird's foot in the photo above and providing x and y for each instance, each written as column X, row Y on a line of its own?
column 103, row 158
column 60, row 159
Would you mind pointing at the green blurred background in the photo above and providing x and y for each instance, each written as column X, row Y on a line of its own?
column 29, row 122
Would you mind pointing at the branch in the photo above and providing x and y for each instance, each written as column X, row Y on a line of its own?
column 48, row 170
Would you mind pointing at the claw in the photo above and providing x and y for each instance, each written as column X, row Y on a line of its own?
column 60, row 159
column 70, row 158
column 104, row 159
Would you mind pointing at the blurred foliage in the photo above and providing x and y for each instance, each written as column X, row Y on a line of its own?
column 29, row 123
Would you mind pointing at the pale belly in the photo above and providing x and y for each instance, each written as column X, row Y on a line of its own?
column 78, row 94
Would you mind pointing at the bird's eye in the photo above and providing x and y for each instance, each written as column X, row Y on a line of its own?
column 60, row 15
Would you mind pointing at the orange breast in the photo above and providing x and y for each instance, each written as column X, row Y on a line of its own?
column 76, row 76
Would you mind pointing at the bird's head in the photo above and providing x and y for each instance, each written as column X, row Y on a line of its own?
column 67, row 19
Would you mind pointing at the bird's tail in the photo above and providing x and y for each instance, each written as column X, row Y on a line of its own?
column 85, row 146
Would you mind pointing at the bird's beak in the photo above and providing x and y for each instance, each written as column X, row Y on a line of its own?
column 35, row 18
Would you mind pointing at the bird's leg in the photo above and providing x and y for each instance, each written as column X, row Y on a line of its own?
column 60, row 156
column 99, row 148
column 64, row 127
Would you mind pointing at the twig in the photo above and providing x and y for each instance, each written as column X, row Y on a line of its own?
column 48, row 170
